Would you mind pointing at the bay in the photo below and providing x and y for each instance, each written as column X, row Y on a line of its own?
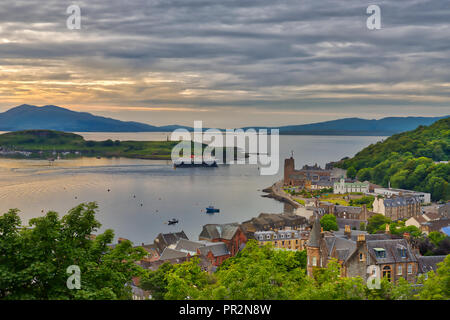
column 144, row 194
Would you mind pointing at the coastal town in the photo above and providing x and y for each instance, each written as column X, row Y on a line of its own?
column 310, row 194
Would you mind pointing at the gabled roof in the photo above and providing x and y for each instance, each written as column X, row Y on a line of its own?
column 392, row 248
column 436, row 225
column 218, row 249
column 188, row 245
column 314, row 238
column 433, row 215
column 219, row 231
column 349, row 209
column 173, row 237
column 400, row 201
column 169, row 254
column 429, row 263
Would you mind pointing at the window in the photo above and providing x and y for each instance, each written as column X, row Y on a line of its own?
column 399, row 270
column 387, row 273
column 402, row 252
column 380, row 252
column 361, row 256
column 261, row 237
column 268, row 237
column 409, row 268
column 314, row 261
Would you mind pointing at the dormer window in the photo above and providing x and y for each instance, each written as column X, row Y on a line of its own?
column 380, row 252
column 261, row 237
column 402, row 252
column 268, row 237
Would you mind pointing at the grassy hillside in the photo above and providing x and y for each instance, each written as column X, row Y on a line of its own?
column 407, row 160
column 44, row 143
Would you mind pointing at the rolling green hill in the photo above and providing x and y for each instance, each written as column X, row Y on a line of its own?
column 408, row 160
column 42, row 144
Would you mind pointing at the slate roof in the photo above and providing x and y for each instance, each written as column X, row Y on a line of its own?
column 429, row 263
column 392, row 248
column 173, row 237
column 400, row 201
column 344, row 247
column 169, row 254
column 349, row 209
column 217, row 249
column 314, row 237
column 433, row 215
column 353, row 223
column 188, row 245
column 219, row 231
column 437, row 225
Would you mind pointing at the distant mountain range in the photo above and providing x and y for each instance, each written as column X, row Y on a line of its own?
column 26, row 117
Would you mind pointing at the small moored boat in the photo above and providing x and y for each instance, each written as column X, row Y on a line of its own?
column 211, row 209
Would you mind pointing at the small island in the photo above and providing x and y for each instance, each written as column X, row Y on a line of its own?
column 49, row 144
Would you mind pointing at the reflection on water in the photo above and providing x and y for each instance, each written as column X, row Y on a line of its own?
column 144, row 194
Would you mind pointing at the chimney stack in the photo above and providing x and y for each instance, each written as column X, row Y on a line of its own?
column 348, row 231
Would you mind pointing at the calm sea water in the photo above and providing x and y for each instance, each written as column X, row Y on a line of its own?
column 145, row 194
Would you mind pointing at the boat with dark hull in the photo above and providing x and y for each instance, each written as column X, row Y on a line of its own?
column 195, row 162
column 211, row 209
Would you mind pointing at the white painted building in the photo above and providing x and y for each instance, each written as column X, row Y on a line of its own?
column 389, row 192
column 342, row 187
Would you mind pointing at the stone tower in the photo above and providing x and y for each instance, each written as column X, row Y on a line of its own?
column 313, row 247
column 289, row 168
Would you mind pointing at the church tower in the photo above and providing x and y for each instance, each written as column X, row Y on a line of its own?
column 313, row 247
column 289, row 168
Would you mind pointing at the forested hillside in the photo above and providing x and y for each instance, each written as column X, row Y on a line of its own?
column 408, row 160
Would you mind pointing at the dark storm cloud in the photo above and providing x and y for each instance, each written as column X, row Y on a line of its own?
column 287, row 54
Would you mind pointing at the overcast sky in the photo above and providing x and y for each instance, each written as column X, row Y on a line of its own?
column 228, row 62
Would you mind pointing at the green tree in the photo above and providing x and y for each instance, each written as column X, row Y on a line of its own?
column 364, row 174
column 155, row 281
column 351, row 172
column 437, row 286
column 260, row 273
column 436, row 237
column 34, row 259
column 362, row 226
column 377, row 222
column 329, row 222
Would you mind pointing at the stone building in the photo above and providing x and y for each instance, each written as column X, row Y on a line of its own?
column 397, row 208
column 286, row 238
column 273, row 221
column 306, row 176
column 230, row 234
column 356, row 251
column 164, row 240
column 344, row 186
